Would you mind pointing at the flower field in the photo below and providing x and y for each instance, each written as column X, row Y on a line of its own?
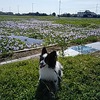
column 48, row 29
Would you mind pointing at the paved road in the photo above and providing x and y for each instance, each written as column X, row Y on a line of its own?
column 20, row 59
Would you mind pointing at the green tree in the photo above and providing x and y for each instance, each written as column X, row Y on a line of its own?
column 53, row 14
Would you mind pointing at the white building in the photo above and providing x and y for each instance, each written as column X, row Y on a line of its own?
column 87, row 13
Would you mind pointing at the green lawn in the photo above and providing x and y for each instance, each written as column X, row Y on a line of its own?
column 81, row 80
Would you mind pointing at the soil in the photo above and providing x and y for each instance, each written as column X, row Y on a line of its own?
column 29, row 52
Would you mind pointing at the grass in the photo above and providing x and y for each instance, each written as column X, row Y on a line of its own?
column 89, row 39
column 13, row 18
column 81, row 80
column 83, row 22
column 18, row 80
column 18, row 18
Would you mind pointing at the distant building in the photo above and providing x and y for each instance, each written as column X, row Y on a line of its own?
column 87, row 13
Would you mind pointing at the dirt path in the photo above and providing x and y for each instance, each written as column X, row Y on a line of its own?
column 27, row 54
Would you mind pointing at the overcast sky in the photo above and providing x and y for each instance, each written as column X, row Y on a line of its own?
column 49, row 6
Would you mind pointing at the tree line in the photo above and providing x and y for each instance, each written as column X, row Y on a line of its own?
column 30, row 13
column 86, row 15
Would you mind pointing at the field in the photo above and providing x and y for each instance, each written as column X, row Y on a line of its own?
column 49, row 29
column 81, row 80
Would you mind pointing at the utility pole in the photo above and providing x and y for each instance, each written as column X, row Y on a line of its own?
column 9, row 9
column 2, row 9
column 96, row 8
column 59, row 7
column 32, row 7
column 18, row 9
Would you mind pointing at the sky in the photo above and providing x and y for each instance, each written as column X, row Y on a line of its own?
column 49, row 6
